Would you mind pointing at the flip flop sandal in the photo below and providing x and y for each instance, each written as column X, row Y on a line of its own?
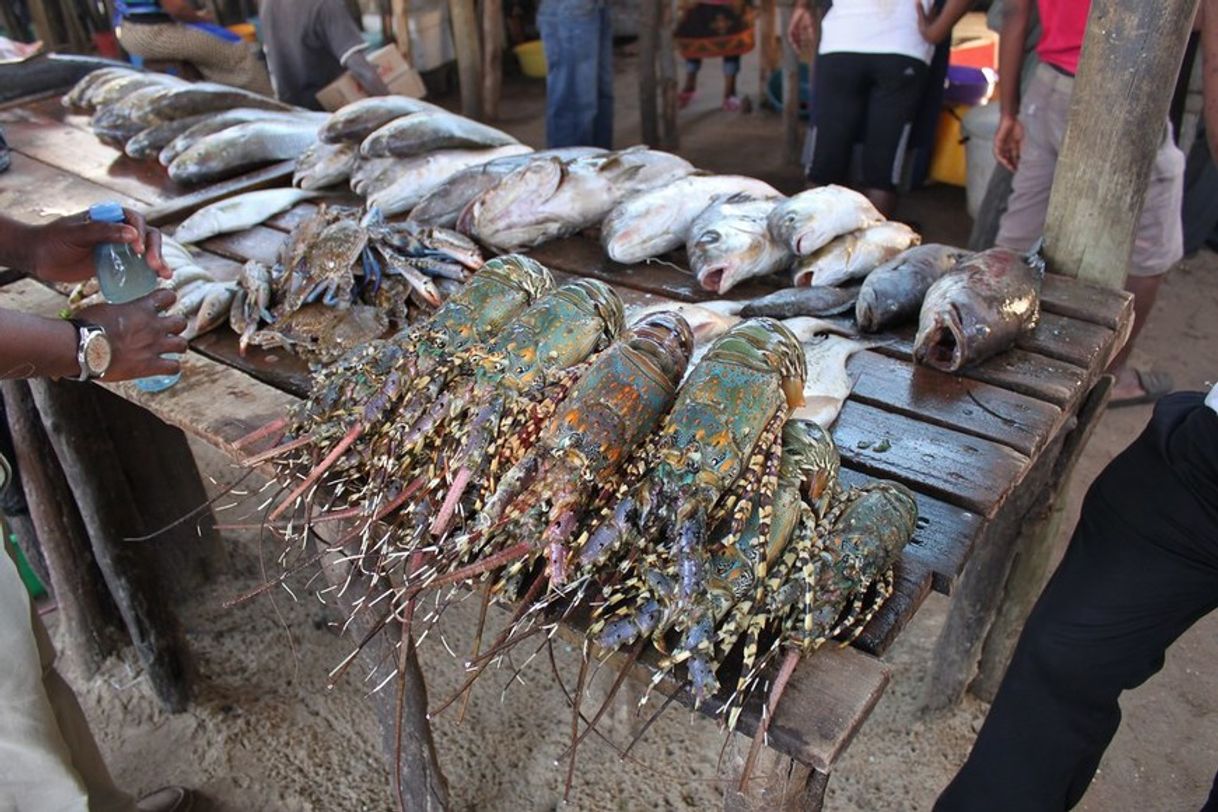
column 684, row 98
column 1156, row 385
column 733, row 104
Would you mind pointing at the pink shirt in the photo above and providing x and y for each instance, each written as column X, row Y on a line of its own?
column 1063, row 23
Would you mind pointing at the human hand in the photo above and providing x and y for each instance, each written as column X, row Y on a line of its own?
column 926, row 24
column 62, row 250
column 139, row 334
column 802, row 30
column 1007, row 141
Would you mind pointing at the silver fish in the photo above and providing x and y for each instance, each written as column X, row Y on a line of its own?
column 854, row 255
column 422, row 175
column 426, row 132
column 213, row 310
column 828, row 384
column 238, row 148
column 812, row 301
column 208, row 97
column 729, row 242
column 148, row 143
column 656, row 222
column 809, row 220
column 356, row 121
column 370, row 175
column 117, row 123
column 548, row 198
column 443, row 206
column 323, row 165
column 893, row 292
column 238, row 213
column 216, row 122
column 112, row 91
column 978, row 309
column 78, row 97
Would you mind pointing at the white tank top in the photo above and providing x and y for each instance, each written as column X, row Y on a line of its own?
column 1211, row 399
column 875, row 27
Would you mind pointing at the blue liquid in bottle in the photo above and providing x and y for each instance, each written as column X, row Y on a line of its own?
column 123, row 276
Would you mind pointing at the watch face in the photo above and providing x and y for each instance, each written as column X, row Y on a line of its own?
column 97, row 354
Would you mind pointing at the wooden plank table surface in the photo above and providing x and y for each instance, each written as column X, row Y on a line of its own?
column 969, row 446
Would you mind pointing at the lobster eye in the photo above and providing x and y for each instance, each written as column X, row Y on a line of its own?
column 520, row 370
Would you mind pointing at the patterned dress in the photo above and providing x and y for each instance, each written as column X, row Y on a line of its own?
column 714, row 28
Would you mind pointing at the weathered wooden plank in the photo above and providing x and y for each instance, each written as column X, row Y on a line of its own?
column 1071, row 340
column 970, row 472
column 944, row 537
column 912, row 582
column 973, row 407
column 34, row 192
column 1077, row 299
column 288, row 220
column 278, row 368
column 80, row 153
column 260, row 243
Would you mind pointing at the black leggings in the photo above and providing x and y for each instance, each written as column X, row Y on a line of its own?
column 1141, row 568
column 868, row 98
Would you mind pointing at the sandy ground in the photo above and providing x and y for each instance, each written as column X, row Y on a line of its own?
column 265, row 732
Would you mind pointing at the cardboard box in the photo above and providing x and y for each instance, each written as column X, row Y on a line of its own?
column 401, row 78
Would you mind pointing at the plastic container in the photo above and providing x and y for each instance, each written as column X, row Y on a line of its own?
column 123, row 276
column 532, row 58
column 947, row 158
column 971, row 86
column 979, row 126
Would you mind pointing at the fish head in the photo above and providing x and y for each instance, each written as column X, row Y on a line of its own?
column 727, row 252
column 943, row 339
column 866, row 309
column 520, row 191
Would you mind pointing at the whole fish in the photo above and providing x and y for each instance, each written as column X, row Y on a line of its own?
column 190, row 297
column 428, row 131
column 149, row 142
column 811, row 301
column 323, row 165
column 809, row 220
column 978, row 309
column 854, row 255
column 828, row 384
column 893, row 292
column 174, row 253
column 208, row 97
column 548, row 198
column 215, row 122
column 423, row 174
column 238, row 213
column 729, row 242
column 117, row 123
column 354, row 122
column 114, row 90
column 656, row 222
column 213, row 309
column 370, row 175
column 76, row 98
column 443, row 206
column 241, row 147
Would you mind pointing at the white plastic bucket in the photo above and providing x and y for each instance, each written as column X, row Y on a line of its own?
column 979, row 126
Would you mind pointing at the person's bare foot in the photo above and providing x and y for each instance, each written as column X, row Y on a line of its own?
column 167, row 799
column 1135, row 386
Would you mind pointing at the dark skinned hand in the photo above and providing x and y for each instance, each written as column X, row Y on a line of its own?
column 139, row 335
column 62, row 250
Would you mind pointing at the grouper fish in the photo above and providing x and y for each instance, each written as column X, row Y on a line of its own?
column 893, row 292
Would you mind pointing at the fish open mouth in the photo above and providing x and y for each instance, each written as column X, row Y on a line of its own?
column 944, row 347
column 712, row 278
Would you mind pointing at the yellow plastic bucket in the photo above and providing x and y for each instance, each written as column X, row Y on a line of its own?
column 532, row 59
column 947, row 160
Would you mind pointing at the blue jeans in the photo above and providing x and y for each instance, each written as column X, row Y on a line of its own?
column 578, row 39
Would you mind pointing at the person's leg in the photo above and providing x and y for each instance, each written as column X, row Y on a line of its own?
column 1043, row 113
column 731, row 69
column 48, row 759
column 896, row 85
column 602, row 128
column 1158, row 244
column 570, row 33
column 692, row 66
column 838, row 107
column 229, row 63
column 1141, row 568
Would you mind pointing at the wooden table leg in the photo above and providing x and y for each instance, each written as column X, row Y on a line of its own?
column 87, row 455
column 778, row 784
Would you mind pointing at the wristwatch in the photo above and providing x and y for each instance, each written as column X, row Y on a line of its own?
column 92, row 349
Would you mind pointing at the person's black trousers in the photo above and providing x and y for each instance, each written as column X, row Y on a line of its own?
column 1141, row 568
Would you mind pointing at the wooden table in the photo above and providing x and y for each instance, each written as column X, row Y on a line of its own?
column 980, row 450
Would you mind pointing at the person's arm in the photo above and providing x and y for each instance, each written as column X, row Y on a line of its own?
column 346, row 42
column 1209, row 76
column 935, row 29
column 1015, row 17
column 804, row 28
column 62, row 250
column 40, row 347
column 184, row 11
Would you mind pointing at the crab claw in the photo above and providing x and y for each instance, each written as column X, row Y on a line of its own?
column 372, row 272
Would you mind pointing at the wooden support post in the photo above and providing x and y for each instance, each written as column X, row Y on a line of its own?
column 1034, row 547
column 670, row 138
column 790, row 91
column 418, row 781
column 769, row 49
column 649, row 25
column 90, row 620
column 160, row 469
column 778, row 783
column 469, row 60
column 492, row 57
column 14, row 508
column 1131, row 57
column 400, row 24
column 87, row 455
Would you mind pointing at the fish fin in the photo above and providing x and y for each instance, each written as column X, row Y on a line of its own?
column 1035, row 258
